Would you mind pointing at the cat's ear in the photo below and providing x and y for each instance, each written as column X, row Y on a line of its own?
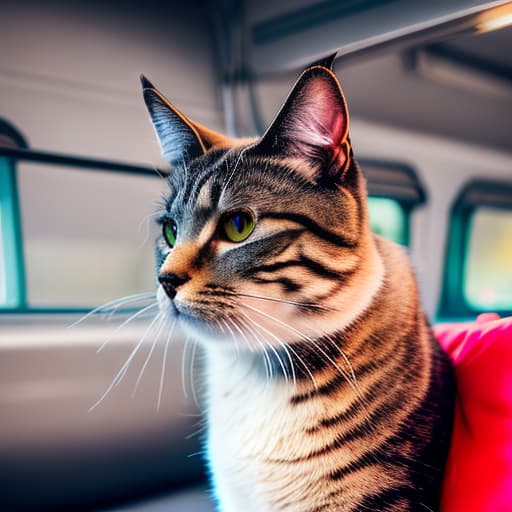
column 313, row 126
column 181, row 139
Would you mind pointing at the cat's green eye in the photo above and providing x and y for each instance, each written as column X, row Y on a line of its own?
column 169, row 231
column 238, row 224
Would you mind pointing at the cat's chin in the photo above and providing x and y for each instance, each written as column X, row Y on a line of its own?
column 197, row 328
column 200, row 329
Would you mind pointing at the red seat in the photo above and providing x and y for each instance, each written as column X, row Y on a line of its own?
column 479, row 471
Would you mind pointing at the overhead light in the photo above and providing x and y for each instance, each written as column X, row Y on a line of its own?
column 495, row 19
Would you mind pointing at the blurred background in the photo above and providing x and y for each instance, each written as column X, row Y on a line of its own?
column 429, row 88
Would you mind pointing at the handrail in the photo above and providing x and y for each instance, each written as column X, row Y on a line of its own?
column 29, row 155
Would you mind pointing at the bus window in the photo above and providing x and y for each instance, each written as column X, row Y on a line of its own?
column 86, row 235
column 488, row 273
column 477, row 274
column 388, row 218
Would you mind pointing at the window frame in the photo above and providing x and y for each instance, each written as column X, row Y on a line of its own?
column 11, row 241
column 475, row 194
column 10, row 220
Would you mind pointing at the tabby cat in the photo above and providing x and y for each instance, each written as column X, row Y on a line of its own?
column 326, row 389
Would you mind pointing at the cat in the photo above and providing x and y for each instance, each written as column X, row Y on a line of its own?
column 326, row 390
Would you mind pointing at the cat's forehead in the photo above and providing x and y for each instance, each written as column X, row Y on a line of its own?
column 200, row 184
column 214, row 179
column 240, row 178
column 208, row 186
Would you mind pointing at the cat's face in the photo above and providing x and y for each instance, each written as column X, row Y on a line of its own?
column 265, row 242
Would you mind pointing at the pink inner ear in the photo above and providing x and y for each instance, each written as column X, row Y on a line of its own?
column 318, row 124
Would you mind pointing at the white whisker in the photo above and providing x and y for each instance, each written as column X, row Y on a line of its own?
column 269, row 371
column 281, row 364
column 125, row 366
column 148, row 330
column 344, row 356
column 114, row 304
column 184, row 361
column 310, row 340
column 236, row 326
column 306, row 367
column 285, row 348
column 192, row 375
column 282, row 301
column 163, row 322
column 148, row 229
column 233, row 172
column 126, row 322
column 164, row 361
column 160, row 175
column 202, row 428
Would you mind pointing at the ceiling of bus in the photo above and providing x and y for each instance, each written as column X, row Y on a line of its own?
column 92, row 51
column 458, row 86
column 475, row 107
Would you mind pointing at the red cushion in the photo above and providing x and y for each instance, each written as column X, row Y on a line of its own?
column 479, row 470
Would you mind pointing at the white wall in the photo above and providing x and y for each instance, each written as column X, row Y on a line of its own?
column 69, row 73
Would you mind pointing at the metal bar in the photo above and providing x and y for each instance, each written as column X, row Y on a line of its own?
column 44, row 157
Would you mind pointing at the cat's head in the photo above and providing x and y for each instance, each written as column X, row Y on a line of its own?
column 265, row 241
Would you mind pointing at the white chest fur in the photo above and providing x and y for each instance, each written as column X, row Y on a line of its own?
column 254, row 433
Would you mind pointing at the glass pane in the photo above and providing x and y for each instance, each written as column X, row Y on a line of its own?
column 387, row 218
column 86, row 234
column 488, row 280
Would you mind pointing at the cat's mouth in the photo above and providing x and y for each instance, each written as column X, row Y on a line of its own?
column 195, row 321
column 198, row 326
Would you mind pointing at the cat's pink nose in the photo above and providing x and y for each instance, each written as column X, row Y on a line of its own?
column 171, row 282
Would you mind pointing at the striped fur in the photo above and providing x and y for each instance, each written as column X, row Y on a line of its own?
column 326, row 388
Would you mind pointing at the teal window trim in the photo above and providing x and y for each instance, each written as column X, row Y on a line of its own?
column 453, row 303
column 403, row 235
column 407, row 209
column 14, row 268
